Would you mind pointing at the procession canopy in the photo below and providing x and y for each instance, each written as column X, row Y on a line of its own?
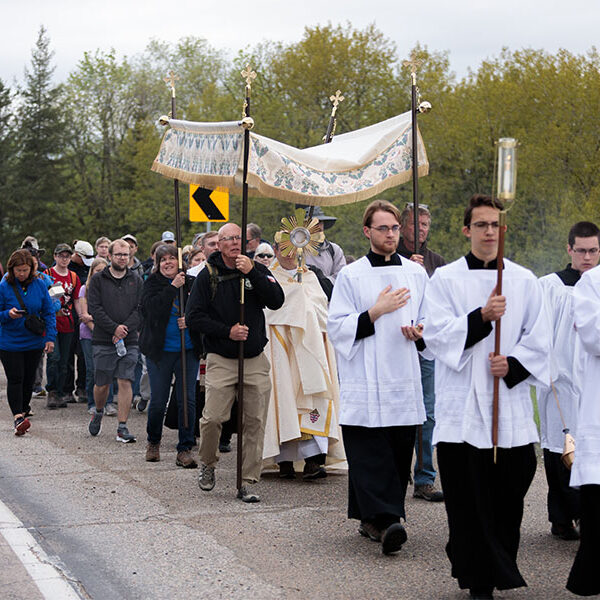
column 354, row 166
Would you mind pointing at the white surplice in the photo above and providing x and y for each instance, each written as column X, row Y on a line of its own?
column 558, row 303
column 380, row 377
column 463, row 381
column 304, row 399
column 586, row 309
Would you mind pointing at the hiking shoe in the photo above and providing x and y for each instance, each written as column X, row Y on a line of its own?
column 68, row 399
column 428, row 492
column 184, row 459
column 369, row 530
column 286, row 470
column 564, row 532
column 22, row 424
column 246, row 496
column 52, row 401
column 313, row 470
column 124, row 436
column 95, row 423
column 41, row 393
column 393, row 538
column 152, row 452
column 110, row 410
column 206, row 480
column 28, row 412
column 142, row 403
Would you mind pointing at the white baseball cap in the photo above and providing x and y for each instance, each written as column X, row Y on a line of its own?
column 85, row 250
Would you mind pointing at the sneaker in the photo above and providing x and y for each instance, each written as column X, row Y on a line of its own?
column 152, row 452
column 124, row 436
column 224, row 447
column 313, row 470
column 28, row 412
column 110, row 410
column 22, row 424
column 185, row 460
column 393, row 538
column 81, row 395
column 141, row 404
column 95, row 423
column 286, row 470
column 91, row 410
column 246, row 496
column 564, row 532
column 428, row 492
column 53, row 400
column 41, row 393
column 369, row 530
column 206, row 480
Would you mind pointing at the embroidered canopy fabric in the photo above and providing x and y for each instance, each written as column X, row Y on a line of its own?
column 354, row 166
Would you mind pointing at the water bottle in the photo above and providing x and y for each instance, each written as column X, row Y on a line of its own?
column 120, row 346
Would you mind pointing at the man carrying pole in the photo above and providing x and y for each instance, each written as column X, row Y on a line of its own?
column 484, row 499
column 213, row 310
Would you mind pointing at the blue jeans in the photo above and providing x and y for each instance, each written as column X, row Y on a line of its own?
column 86, row 347
column 426, row 475
column 56, row 365
column 161, row 375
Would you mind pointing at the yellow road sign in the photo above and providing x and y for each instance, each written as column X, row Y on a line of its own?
column 209, row 205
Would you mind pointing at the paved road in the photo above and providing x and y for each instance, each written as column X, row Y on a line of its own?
column 121, row 528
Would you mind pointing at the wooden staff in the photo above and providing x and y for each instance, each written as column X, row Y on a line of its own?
column 170, row 80
column 248, row 75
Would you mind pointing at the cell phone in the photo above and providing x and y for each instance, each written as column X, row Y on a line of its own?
column 21, row 312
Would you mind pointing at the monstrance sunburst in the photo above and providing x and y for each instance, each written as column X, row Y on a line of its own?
column 299, row 235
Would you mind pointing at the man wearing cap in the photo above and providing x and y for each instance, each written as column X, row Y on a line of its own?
column 56, row 370
column 30, row 243
column 330, row 258
column 168, row 237
column 135, row 265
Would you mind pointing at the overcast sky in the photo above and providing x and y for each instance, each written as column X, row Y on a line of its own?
column 470, row 30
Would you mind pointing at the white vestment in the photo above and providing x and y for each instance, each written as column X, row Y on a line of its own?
column 558, row 303
column 586, row 309
column 304, row 394
column 380, row 377
column 463, row 381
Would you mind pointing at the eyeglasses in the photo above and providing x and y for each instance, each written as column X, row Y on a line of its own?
column 483, row 225
column 263, row 255
column 230, row 238
column 583, row 251
column 385, row 228
column 121, row 255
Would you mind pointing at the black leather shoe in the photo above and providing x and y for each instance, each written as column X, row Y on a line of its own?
column 393, row 538
column 564, row 532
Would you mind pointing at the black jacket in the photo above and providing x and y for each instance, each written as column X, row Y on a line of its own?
column 157, row 300
column 113, row 302
column 215, row 316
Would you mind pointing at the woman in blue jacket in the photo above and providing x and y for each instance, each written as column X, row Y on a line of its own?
column 20, row 348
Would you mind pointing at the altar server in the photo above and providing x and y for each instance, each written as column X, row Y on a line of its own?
column 560, row 411
column 484, row 500
column 584, row 579
column 374, row 323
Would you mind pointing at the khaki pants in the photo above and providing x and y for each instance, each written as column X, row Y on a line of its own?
column 221, row 387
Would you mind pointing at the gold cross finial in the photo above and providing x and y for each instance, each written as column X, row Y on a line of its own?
column 337, row 98
column 249, row 75
column 170, row 80
column 414, row 63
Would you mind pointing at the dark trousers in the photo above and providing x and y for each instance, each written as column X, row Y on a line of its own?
column 564, row 505
column 379, row 460
column 56, row 366
column 584, row 579
column 20, row 370
column 484, row 504
column 161, row 373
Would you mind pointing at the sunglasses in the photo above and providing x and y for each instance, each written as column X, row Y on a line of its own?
column 264, row 255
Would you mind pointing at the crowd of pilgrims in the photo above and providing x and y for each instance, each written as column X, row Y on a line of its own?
column 52, row 348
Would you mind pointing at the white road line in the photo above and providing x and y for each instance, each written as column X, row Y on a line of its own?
column 45, row 575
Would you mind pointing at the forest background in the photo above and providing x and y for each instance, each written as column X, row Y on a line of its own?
column 75, row 156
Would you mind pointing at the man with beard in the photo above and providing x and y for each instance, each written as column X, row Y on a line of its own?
column 113, row 301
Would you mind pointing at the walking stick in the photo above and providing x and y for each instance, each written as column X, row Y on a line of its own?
column 247, row 124
column 507, row 183
column 170, row 80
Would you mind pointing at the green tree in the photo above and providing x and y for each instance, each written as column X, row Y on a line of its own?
column 7, row 147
